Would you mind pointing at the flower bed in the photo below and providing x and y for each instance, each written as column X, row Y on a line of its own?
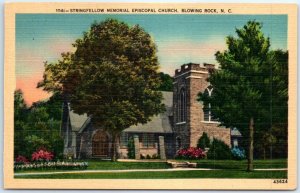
column 190, row 153
column 51, row 165
column 43, row 159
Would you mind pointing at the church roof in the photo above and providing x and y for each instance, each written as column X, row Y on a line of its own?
column 235, row 132
column 78, row 122
column 159, row 124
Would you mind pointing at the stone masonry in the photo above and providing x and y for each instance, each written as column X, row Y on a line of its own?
column 192, row 79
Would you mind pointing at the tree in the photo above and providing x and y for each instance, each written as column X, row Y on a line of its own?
column 112, row 77
column 20, row 116
column 218, row 150
column 36, row 126
column 204, row 141
column 244, row 91
column 166, row 82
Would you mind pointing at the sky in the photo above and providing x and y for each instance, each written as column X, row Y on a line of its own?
column 179, row 38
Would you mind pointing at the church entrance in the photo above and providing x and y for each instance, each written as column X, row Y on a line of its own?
column 100, row 144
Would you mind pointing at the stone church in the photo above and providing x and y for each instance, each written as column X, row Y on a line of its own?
column 180, row 126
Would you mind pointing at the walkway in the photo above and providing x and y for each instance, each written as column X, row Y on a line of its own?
column 135, row 170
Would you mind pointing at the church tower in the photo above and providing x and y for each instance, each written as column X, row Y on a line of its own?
column 190, row 119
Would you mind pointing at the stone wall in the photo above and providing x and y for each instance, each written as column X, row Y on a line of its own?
column 193, row 78
column 213, row 131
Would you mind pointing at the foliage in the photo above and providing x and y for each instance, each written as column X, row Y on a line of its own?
column 42, row 155
column 218, row 150
column 238, row 153
column 204, row 141
column 245, row 95
column 20, row 116
column 33, row 143
column 155, row 156
column 52, row 165
column 166, row 82
column 112, row 76
column 37, row 126
column 131, row 149
column 190, row 153
column 57, row 146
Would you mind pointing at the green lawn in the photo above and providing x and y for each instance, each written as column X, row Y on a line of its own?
column 241, row 165
column 214, row 164
column 229, row 169
column 108, row 165
column 166, row 175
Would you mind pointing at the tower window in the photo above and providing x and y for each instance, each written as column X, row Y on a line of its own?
column 207, row 110
column 182, row 106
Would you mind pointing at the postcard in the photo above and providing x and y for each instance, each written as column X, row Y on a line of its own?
column 150, row 96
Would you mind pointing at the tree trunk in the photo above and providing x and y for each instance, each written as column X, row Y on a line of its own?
column 114, row 147
column 264, row 153
column 250, row 150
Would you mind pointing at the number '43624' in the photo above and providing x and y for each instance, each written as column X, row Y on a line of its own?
column 280, row 181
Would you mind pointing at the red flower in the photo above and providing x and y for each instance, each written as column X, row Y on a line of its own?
column 21, row 159
column 42, row 155
column 190, row 153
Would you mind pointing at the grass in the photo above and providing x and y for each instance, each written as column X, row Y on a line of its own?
column 241, row 165
column 108, row 165
column 230, row 169
column 167, row 175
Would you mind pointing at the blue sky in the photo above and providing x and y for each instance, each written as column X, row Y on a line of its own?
column 179, row 38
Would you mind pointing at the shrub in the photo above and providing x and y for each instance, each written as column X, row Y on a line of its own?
column 155, row 156
column 238, row 153
column 219, row 150
column 42, row 155
column 203, row 141
column 57, row 146
column 33, row 143
column 190, row 153
column 130, row 149
column 21, row 160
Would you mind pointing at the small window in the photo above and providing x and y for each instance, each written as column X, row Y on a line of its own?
column 124, row 140
column 148, row 140
column 235, row 143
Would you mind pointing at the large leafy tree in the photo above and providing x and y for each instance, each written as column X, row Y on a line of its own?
column 20, row 116
column 166, row 82
column 112, row 76
column 244, row 94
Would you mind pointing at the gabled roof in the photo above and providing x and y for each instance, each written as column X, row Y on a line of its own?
column 78, row 122
column 159, row 124
column 235, row 132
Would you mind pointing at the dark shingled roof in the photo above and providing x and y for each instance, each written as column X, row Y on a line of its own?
column 159, row 124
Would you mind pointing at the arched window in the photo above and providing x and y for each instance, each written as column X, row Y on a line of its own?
column 208, row 116
column 182, row 105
